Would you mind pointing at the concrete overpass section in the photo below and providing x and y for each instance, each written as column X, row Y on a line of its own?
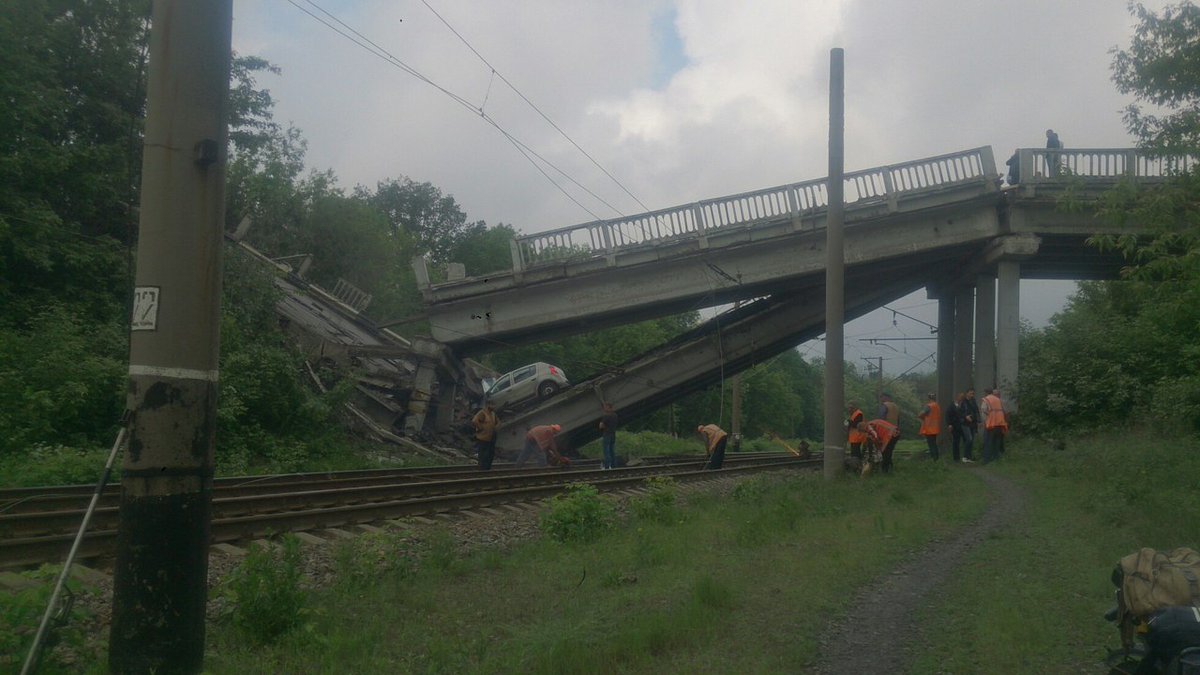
column 744, row 246
column 966, row 240
column 605, row 273
column 720, row 348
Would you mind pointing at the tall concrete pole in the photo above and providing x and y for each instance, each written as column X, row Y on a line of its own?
column 835, row 268
column 161, row 574
column 735, row 422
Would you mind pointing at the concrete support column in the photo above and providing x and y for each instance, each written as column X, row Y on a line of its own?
column 1007, row 330
column 985, row 334
column 445, row 404
column 945, row 358
column 964, row 316
column 422, row 393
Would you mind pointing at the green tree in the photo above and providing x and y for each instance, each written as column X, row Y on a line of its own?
column 484, row 250
column 433, row 220
column 1161, row 67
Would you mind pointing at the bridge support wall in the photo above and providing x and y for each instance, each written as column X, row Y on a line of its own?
column 1007, row 330
column 964, row 316
column 945, row 360
column 985, row 334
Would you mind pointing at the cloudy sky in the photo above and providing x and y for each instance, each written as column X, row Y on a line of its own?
column 684, row 100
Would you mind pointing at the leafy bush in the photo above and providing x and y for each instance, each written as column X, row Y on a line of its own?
column 21, row 614
column 53, row 465
column 578, row 515
column 266, row 593
column 658, row 504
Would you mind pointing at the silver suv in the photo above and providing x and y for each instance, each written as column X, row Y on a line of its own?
column 536, row 380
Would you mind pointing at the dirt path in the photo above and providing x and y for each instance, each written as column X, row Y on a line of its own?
column 854, row 644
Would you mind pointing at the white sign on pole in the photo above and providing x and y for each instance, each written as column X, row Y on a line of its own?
column 145, row 308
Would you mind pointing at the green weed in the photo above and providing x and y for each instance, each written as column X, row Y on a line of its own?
column 578, row 515
column 265, row 591
column 658, row 504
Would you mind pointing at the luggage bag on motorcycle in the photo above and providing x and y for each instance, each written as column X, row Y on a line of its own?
column 1151, row 580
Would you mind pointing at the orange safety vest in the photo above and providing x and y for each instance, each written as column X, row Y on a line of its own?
column 712, row 435
column 856, row 436
column 882, row 432
column 931, row 424
column 995, row 418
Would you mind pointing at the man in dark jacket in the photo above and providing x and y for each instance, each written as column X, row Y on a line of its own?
column 970, row 424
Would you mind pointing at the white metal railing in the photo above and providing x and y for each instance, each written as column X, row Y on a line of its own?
column 1039, row 165
column 889, row 184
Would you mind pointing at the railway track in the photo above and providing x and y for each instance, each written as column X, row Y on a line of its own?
column 38, row 524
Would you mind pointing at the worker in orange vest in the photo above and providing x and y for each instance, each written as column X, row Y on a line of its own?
column 542, row 446
column 995, row 426
column 485, row 423
column 855, row 436
column 931, row 424
column 714, row 444
column 881, row 442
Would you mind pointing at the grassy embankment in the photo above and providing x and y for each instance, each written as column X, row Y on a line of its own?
column 736, row 584
column 1032, row 599
column 745, row 583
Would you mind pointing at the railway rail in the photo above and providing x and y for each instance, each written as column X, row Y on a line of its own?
column 38, row 524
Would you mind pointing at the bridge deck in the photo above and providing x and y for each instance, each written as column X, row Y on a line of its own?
column 608, row 272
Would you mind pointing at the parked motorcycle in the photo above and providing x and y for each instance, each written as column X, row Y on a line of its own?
column 1166, row 642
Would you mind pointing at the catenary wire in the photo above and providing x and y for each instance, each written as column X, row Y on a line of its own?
column 538, row 110
column 527, row 152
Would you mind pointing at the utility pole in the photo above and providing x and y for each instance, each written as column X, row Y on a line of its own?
column 835, row 268
column 161, row 573
column 878, row 368
column 736, row 412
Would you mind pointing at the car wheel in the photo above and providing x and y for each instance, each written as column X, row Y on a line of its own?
column 547, row 389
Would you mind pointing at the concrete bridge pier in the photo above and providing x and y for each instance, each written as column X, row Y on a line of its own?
column 985, row 334
column 945, row 360
column 964, row 316
column 1008, row 319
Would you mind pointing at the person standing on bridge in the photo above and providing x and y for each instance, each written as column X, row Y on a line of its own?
column 855, row 436
column 714, row 444
column 608, row 436
column 485, row 423
column 931, row 424
column 1054, row 145
column 540, row 443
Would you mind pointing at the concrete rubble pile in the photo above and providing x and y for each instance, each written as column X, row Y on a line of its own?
column 413, row 394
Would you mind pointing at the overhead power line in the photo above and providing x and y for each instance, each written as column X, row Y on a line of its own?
column 525, row 98
column 528, row 153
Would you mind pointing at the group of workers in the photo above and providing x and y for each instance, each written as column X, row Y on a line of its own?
column 872, row 442
column 541, row 442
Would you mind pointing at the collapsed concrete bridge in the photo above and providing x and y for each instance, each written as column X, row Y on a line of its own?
column 946, row 223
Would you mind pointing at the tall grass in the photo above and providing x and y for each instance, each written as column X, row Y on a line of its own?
column 737, row 584
column 1031, row 599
